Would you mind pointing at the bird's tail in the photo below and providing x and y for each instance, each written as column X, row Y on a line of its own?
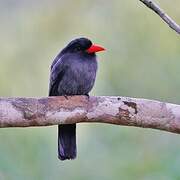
column 67, row 141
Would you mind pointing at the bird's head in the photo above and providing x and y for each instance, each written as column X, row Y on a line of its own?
column 82, row 45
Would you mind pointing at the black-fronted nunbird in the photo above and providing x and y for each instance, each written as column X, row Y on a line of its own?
column 73, row 72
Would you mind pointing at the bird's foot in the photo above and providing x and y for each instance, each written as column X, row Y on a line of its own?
column 88, row 97
column 66, row 97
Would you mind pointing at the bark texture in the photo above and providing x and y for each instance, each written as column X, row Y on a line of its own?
column 153, row 6
column 25, row 112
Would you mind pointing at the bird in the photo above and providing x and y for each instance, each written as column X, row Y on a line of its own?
column 73, row 72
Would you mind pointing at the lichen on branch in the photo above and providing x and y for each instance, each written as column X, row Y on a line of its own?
column 26, row 112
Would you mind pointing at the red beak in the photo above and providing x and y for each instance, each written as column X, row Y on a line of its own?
column 95, row 48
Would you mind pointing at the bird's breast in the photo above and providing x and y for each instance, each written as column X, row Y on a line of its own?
column 79, row 78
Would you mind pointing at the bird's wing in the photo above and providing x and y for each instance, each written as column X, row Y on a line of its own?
column 57, row 72
column 56, row 59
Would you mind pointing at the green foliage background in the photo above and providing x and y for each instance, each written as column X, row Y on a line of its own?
column 142, row 60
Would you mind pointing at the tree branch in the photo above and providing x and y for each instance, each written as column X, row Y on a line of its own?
column 25, row 112
column 153, row 6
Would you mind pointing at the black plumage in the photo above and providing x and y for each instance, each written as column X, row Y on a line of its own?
column 73, row 72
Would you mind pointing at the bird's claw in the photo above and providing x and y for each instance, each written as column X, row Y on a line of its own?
column 66, row 97
column 88, row 97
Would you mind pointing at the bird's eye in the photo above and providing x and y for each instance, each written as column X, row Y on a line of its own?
column 77, row 48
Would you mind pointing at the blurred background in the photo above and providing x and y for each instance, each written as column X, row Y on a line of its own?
column 142, row 60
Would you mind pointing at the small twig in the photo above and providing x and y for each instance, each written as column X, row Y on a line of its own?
column 153, row 6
